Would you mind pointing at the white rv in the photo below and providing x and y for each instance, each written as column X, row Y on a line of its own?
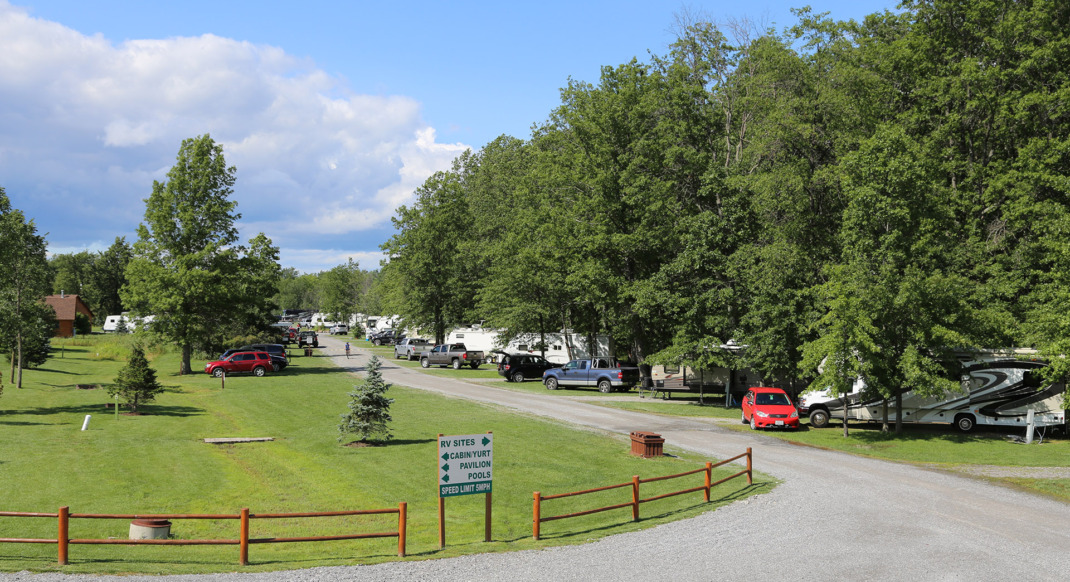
column 732, row 383
column 998, row 388
column 111, row 323
column 560, row 347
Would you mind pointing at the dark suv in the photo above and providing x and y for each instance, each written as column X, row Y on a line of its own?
column 517, row 367
column 385, row 338
column 276, row 351
column 307, row 337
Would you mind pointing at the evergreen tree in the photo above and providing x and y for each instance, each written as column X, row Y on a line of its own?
column 136, row 383
column 369, row 408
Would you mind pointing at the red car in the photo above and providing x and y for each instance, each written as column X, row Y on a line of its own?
column 769, row 408
column 259, row 363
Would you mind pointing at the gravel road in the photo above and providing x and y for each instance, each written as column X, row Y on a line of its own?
column 835, row 516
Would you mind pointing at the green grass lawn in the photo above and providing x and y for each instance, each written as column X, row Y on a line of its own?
column 157, row 462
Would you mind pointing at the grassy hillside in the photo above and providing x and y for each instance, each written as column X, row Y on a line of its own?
column 157, row 462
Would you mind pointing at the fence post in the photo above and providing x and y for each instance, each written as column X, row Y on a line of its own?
column 63, row 534
column 402, row 522
column 709, row 479
column 244, row 538
column 537, row 518
column 750, row 480
column 635, row 497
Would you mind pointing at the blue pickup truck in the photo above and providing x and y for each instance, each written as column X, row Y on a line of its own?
column 603, row 373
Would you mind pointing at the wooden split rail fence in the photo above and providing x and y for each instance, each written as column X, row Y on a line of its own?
column 538, row 518
column 64, row 516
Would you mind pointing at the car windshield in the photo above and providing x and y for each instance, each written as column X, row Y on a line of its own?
column 772, row 398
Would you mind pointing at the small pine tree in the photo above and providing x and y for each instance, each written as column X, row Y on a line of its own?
column 121, row 327
column 369, row 408
column 136, row 383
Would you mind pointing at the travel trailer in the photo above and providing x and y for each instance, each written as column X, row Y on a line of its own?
column 560, row 347
column 111, row 322
column 732, row 383
column 998, row 388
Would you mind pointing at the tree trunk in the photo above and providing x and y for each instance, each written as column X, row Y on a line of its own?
column 18, row 342
column 845, row 405
column 884, row 416
column 899, row 413
column 186, row 352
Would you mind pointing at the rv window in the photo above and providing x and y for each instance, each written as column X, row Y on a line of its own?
column 522, row 347
column 555, row 347
column 1031, row 380
column 460, row 336
column 672, row 369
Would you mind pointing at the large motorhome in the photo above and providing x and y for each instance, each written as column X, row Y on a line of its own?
column 998, row 388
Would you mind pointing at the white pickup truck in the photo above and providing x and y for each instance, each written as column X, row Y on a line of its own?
column 410, row 348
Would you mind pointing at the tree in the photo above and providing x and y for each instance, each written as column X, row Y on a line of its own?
column 369, row 408
column 136, row 383
column 107, row 277
column 72, row 274
column 187, row 269
column 425, row 256
column 341, row 290
column 24, row 280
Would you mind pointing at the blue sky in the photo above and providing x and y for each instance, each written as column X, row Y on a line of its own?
column 333, row 112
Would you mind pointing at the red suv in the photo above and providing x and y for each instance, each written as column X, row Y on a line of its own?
column 259, row 363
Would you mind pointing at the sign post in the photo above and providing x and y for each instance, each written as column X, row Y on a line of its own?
column 465, row 465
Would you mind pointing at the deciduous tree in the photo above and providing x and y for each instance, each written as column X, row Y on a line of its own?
column 187, row 269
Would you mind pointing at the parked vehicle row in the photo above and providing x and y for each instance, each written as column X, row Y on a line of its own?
column 250, row 359
column 256, row 363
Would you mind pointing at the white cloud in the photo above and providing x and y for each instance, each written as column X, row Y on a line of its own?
column 316, row 260
column 87, row 124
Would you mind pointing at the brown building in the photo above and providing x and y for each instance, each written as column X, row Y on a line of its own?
column 65, row 307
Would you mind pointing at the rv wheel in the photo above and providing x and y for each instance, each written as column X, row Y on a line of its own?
column 819, row 418
column 964, row 422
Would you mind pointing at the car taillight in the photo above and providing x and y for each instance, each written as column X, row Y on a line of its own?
column 620, row 375
column 465, row 356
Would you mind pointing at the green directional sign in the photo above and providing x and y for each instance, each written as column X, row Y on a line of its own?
column 465, row 464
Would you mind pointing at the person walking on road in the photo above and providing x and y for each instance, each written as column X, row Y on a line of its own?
column 347, row 350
